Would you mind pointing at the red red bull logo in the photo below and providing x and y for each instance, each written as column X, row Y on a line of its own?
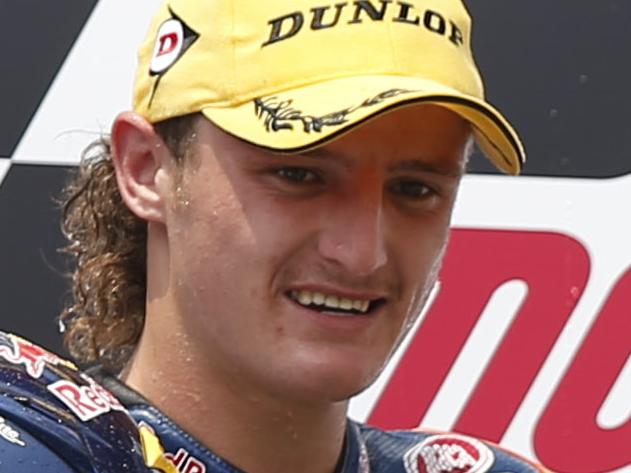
column 449, row 454
column 185, row 462
column 21, row 352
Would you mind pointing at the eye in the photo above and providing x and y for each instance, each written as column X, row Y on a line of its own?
column 297, row 174
column 411, row 189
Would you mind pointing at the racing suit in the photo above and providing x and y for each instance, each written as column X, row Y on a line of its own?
column 63, row 420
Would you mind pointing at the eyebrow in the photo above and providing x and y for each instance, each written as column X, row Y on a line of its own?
column 328, row 155
column 324, row 153
column 410, row 165
column 419, row 165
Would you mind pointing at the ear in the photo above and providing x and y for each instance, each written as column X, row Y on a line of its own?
column 142, row 163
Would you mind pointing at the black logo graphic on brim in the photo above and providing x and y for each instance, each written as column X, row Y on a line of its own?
column 281, row 115
column 174, row 38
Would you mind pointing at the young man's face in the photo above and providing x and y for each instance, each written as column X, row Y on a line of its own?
column 297, row 275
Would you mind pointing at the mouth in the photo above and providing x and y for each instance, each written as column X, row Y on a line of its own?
column 333, row 304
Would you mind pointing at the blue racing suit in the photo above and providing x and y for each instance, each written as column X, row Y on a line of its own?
column 55, row 418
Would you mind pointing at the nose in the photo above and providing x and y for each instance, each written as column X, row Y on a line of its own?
column 354, row 235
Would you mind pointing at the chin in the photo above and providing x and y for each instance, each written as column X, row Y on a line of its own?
column 332, row 380
column 332, row 390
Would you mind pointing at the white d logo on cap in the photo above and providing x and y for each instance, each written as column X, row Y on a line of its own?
column 168, row 47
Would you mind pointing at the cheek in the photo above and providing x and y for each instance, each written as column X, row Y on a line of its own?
column 207, row 235
column 279, row 228
column 419, row 258
column 215, row 272
column 229, row 240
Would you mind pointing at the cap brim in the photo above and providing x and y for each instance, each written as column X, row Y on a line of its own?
column 306, row 117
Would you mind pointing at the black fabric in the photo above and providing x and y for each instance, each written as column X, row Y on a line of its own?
column 126, row 395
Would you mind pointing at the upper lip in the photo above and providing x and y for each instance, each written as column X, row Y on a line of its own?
column 344, row 293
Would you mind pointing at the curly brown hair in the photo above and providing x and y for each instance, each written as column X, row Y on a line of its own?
column 107, row 245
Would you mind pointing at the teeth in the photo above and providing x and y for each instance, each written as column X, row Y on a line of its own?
column 346, row 304
column 330, row 301
column 304, row 298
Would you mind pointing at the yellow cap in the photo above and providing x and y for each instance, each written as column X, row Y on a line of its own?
column 290, row 76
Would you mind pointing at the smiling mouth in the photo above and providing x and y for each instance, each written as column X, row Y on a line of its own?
column 334, row 304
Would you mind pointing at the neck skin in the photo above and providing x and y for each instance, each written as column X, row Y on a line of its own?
column 254, row 431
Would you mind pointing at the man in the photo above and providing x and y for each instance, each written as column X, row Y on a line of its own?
column 258, row 235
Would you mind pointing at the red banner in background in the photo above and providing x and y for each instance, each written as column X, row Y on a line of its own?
column 568, row 437
column 555, row 268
